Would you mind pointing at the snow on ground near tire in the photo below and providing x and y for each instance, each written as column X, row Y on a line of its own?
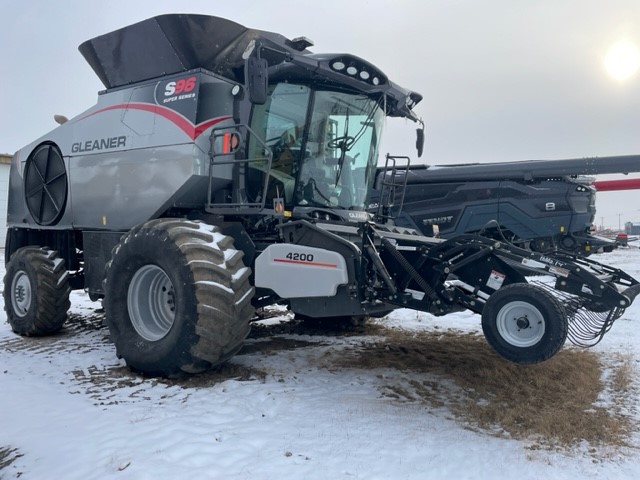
column 69, row 409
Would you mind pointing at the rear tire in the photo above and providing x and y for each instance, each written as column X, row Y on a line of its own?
column 524, row 323
column 177, row 297
column 36, row 291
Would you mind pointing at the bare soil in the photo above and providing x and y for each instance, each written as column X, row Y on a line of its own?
column 560, row 402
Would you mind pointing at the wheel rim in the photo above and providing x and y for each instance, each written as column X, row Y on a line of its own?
column 151, row 303
column 21, row 293
column 520, row 324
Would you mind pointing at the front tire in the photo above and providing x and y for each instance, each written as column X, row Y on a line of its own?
column 524, row 323
column 177, row 297
column 36, row 291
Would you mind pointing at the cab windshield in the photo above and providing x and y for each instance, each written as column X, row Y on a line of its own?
column 324, row 145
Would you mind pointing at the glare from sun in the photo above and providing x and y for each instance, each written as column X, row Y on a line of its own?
column 622, row 60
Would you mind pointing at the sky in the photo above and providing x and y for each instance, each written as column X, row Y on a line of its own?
column 501, row 80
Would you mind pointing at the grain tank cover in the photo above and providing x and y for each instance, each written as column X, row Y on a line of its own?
column 174, row 43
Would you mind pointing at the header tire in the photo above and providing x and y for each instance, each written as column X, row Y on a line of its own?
column 524, row 323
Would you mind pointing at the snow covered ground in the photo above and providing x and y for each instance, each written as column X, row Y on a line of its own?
column 69, row 409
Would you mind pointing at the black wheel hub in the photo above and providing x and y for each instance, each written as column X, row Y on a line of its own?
column 522, row 322
column 20, row 294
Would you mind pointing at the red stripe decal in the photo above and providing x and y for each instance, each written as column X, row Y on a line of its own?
column 193, row 131
column 312, row 264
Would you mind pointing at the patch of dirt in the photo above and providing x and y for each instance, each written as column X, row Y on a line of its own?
column 72, row 337
column 326, row 327
column 227, row 371
column 120, row 385
column 91, row 322
column 9, row 455
column 275, row 344
column 556, row 403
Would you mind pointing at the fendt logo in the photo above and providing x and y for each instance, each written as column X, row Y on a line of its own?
column 179, row 89
column 436, row 220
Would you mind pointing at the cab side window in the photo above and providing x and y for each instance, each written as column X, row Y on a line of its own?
column 280, row 125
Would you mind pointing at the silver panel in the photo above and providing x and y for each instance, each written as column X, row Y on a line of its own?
column 129, row 157
column 120, row 190
column 294, row 271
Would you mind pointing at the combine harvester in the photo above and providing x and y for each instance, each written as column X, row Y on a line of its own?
column 542, row 205
column 622, row 239
column 225, row 169
column 617, row 185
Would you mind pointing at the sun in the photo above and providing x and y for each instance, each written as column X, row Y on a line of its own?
column 622, row 60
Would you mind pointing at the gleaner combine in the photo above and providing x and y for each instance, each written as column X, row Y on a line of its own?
column 225, row 169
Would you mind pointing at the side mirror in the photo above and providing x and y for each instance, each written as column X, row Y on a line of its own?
column 257, row 80
column 420, row 140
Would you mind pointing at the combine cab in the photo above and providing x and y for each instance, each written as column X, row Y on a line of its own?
column 231, row 169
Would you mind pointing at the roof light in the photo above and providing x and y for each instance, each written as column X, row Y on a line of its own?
column 358, row 69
